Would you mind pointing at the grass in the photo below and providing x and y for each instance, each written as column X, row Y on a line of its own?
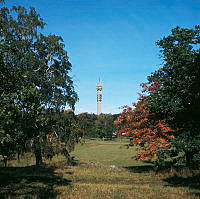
column 108, row 154
column 96, row 183
column 136, row 180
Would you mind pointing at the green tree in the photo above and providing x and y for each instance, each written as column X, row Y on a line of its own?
column 86, row 125
column 177, row 98
column 34, row 77
column 62, row 137
column 93, row 126
column 105, row 125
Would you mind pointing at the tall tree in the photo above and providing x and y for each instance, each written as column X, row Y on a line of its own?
column 178, row 96
column 35, row 78
column 169, row 112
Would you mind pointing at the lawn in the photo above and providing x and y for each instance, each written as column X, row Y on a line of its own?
column 135, row 179
column 108, row 153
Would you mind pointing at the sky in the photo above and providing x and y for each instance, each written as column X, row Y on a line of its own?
column 113, row 40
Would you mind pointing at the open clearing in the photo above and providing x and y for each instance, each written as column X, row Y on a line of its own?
column 135, row 180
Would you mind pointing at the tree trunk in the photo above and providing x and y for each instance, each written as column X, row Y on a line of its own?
column 5, row 159
column 38, row 158
column 189, row 159
column 37, row 152
column 18, row 157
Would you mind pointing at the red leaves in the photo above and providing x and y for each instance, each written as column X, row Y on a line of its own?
column 149, row 134
column 147, row 87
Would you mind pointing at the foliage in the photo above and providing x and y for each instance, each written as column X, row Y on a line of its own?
column 137, row 123
column 105, row 126
column 86, row 125
column 166, row 119
column 93, row 126
column 34, row 77
column 177, row 99
column 63, row 137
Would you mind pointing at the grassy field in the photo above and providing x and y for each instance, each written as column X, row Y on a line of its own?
column 108, row 153
column 134, row 179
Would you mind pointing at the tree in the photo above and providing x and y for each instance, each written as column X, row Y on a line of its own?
column 35, row 79
column 86, row 125
column 171, row 104
column 105, row 126
column 62, row 138
column 93, row 126
column 177, row 99
column 138, row 124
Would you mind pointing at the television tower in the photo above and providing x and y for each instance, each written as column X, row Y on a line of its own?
column 99, row 98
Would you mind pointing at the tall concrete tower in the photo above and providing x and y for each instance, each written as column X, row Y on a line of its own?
column 99, row 98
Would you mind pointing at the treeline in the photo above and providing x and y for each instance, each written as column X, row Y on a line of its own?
column 165, row 121
column 96, row 126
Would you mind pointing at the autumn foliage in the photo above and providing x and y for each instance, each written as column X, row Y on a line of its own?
column 139, row 124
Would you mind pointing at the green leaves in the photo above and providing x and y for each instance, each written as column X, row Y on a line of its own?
column 34, row 76
column 177, row 98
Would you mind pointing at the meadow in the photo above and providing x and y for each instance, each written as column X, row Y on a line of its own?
column 93, row 178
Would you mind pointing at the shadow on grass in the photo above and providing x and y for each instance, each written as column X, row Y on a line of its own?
column 192, row 182
column 141, row 169
column 30, row 182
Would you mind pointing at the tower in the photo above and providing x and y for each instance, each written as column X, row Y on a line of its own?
column 99, row 98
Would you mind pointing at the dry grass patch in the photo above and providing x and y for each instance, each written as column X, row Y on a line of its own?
column 102, row 183
column 137, row 180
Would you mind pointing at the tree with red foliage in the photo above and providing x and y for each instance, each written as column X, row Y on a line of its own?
column 138, row 123
column 172, row 100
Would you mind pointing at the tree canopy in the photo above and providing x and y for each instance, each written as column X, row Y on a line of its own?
column 93, row 126
column 34, row 77
column 178, row 96
column 172, row 95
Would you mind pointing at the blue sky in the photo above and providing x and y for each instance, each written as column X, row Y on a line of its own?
column 113, row 40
